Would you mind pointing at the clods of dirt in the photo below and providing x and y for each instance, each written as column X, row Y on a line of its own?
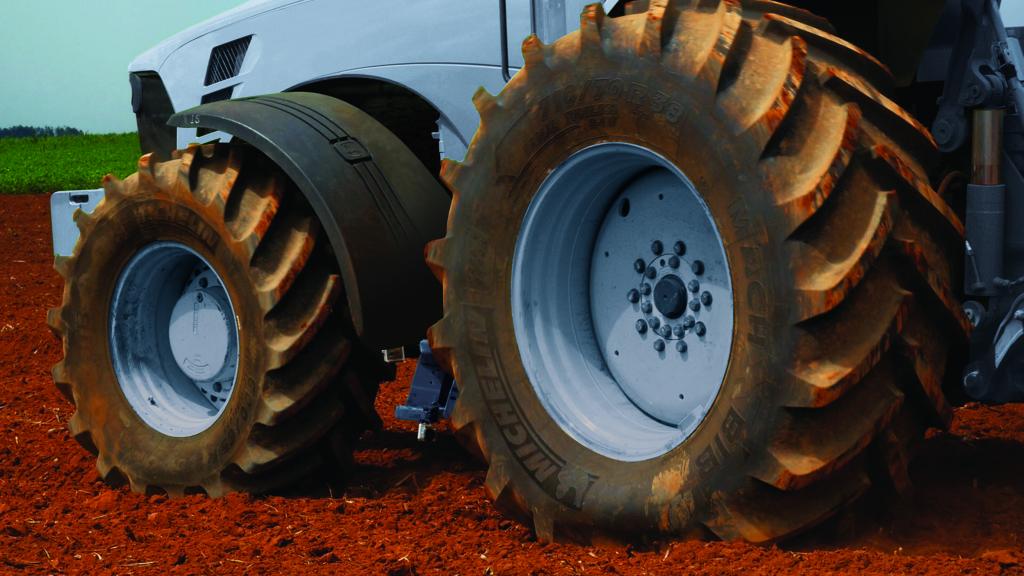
column 413, row 508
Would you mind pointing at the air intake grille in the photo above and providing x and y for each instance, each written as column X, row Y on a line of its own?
column 226, row 60
column 222, row 94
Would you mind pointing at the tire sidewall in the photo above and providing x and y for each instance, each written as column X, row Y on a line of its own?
column 119, row 434
column 566, row 111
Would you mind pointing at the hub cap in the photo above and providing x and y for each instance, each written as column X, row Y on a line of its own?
column 174, row 339
column 622, row 301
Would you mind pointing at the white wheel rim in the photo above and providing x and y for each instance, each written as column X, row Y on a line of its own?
column 173, row 339
column 579, row 298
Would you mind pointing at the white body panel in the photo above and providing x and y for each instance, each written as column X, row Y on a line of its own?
column 63, row 206
column 441, row 50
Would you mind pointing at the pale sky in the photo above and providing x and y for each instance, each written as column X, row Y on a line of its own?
column 65, row 62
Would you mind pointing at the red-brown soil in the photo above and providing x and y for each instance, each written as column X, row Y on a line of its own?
column 421, row 508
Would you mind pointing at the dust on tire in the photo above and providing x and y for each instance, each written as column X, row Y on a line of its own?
column 842, row 255
column 303, row 379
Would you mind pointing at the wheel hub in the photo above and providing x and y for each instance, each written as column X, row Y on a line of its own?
column 200, row 330
column 670, row 296
column 671, row 308
column 622, row 301
column 668, row 348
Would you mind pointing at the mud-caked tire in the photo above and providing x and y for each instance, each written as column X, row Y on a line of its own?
column 840, row 256
column 303, row 387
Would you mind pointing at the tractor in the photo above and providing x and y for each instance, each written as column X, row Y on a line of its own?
column 685, row 268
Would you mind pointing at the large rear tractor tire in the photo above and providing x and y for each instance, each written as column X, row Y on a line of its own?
column 207, row 345
column 696, row 278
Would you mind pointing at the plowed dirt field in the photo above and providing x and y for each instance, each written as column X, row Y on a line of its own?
column 412, row 508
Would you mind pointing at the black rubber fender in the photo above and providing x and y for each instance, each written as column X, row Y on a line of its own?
column 377, row 203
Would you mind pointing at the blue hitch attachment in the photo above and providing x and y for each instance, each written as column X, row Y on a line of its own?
column 431, row 396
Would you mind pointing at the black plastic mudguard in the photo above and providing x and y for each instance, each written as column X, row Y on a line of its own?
column 376, row 201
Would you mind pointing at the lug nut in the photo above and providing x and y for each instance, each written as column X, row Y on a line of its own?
column 694, row 286
column 641, row 326
column 199, row 296
column 645, row 289
column 665, row 330
column 655, row 323
column 673, row 262
column 633, row 296
column 203, row 283
column 652, row 272
column 646, row 307
column 688, row 322
column 657, row 247
column 697, row 267
column 700, row 329
column 659, row 345
column 679, row 248
column 639, row 266
column 681, row 347
column 679, row 331
column 705, row 298
column 694, row 305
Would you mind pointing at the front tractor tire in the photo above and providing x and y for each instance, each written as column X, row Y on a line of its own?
column 207, row 345
column 696, row 278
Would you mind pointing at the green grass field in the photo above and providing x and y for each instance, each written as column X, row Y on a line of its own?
column 44, row 165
